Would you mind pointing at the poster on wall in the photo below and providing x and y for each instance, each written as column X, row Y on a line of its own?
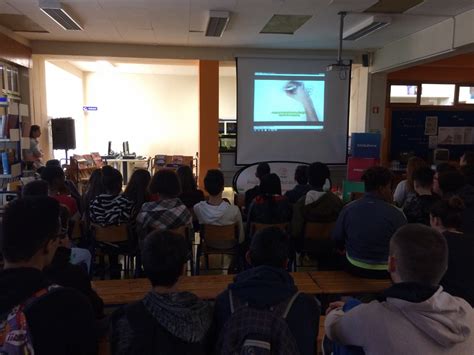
column 456, row 135
column 431, row 125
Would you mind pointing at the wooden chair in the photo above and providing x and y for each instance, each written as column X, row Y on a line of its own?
column 223, row 240
column 112, row 240
column 317, row 239
column 255, row 227
column 187, row 234
column 356, row 196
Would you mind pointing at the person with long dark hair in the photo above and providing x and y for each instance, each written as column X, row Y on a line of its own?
column 190, row 194
column 94, row 189
column 137, row 189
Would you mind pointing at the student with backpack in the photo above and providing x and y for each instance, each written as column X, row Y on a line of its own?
column 262, row 312
column 165, row 321
column 36, row 316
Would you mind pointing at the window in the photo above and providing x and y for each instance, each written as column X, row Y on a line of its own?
column 466, row 95
column 437, row 94
column 405, row 94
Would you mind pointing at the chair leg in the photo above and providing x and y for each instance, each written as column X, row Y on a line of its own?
column 207, row 261
column 198, row 260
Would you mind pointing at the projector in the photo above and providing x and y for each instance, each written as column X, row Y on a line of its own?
column 337, row 67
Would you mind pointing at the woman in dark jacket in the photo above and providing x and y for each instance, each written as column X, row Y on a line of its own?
column 190, row 194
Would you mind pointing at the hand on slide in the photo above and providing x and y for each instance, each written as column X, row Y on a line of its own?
column 297, row 91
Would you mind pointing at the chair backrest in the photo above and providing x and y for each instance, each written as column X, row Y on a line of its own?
column 255, row 227
column 110, row 234
column 318, row 231
column 220, row 237
column 239, row 200
column 181, row 230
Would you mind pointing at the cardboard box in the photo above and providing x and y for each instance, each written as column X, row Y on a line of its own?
column 357, row 166
column 365, row 145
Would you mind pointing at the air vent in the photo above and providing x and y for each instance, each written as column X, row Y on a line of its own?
column 217, row 23
column 285, row 24
column 60, row 14
column 366, row 27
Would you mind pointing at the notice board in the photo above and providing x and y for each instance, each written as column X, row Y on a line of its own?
column 418, row 132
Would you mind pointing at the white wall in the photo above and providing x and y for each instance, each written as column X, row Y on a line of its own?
column 64, row 98
column 227, row 97
column 157, row 114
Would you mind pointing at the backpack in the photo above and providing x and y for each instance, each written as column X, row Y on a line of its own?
column 15, row 337
column 256, row 331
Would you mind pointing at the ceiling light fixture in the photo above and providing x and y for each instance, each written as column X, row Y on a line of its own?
column 217, row 23
column 366, row 27
column 60, row 14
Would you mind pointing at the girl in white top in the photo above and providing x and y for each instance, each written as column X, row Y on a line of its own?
column 405, row 188
column 36, row 155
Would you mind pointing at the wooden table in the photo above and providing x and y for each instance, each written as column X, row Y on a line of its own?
column 340, row 282
column 118, row 292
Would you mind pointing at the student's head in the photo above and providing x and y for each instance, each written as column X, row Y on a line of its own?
column 165, row 183
column 441, row 169
column 423, row 179
column 447, row 214
column 164, row 256
column 137, row 187
column 35, row 188
column 301, row 174
column 269, row 247
column 318, row 173
column 214, row 182
column 467, row 159
column 35, row 241
column 418, row 254
column 186, row 179
column 270, row 185
column 53, row 162
column 111, row 180
column 413, row 164
column 450, row 182
column 94, row 185
column 378, row 179
column 35, row 131
column 262, row 170
column 54, row 176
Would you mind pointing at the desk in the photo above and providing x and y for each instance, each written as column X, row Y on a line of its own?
column 127, row 165
column 118, row 292
column 340, row 282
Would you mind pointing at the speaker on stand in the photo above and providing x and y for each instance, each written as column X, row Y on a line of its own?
column 63, row 133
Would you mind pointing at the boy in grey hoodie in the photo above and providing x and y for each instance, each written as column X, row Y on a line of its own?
column 415, row 315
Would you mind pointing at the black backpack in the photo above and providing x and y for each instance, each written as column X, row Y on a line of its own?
column 256, row 331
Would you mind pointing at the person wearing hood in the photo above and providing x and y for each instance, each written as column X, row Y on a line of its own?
column 366, row 225
column 268, row 284
column 453, row 183
column 415, row 315
column 59, row 320
column 165, row 321
column 317, row 205
column 216, row 210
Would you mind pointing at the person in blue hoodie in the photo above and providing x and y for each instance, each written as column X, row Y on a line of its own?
column 268, row 284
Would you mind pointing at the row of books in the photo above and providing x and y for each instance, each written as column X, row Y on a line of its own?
column 8, row 122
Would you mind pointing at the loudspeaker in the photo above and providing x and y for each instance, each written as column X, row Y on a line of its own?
column 64, row 133
column 365, row 60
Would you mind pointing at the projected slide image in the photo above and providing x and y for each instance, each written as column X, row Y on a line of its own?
column 293, row 103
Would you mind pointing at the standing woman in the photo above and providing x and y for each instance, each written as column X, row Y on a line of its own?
column 36, row 153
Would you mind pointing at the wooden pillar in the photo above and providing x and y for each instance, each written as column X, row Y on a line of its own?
column 208, row 117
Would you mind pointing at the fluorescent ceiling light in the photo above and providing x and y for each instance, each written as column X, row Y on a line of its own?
column 372, row 24
column 217, row 23
column 59, row 14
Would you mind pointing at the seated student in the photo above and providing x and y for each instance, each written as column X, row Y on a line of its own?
column 453, row 183
column 165, row 321
column 269, row 207
column 366, row 225
column 54, row 176
column 441, row 169
column 111, row 208
column 415, row 315
column 319, row 204
column 71, row 186
column 405, row 188
column 417, row 208
column 467, row 159
column 301, row 187
column 446, row 218
column 94, row 189
column 168, row 212
column 268, row 287
column 137, row 189
column 59, row 320
column 190, row 194
column 262, row 170
column 217, row 211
